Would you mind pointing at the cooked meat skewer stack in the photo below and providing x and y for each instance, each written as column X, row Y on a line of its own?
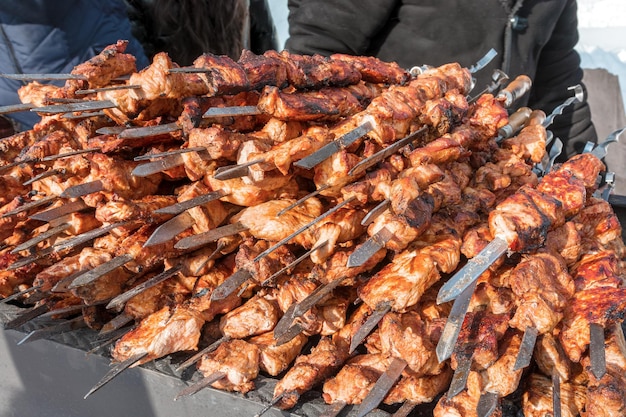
column 80, row 198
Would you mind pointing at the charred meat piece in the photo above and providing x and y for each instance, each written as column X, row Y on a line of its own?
column 238, row 360
column 223, row 76
column 100, row 70
column 276, row 359
column 355, row 379
column 171, row 329
column 537, row 397
column 326, row 104
column 542, row 287
column 374, row 70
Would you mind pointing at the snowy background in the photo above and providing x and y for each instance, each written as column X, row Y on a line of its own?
column 602, row 28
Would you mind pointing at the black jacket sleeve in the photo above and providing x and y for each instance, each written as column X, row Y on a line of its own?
column 329, row 26
column 558, row 69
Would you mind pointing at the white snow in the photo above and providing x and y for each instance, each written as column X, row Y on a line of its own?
column 602, row 44
column 601, row 13
column 279, row 14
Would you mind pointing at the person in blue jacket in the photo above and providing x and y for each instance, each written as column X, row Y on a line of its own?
column 53, row 36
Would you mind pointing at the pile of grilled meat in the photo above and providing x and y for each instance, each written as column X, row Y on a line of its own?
column 296, row 216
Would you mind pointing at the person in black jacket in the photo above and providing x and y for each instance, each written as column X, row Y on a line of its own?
column 43, row 36
column 532, row 37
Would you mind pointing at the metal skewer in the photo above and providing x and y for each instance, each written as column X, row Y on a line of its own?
column 170, row 229
column 196, row 357
column 85, row 188
column 200, row 385
column 74, row 107
column 527, row 346
column 119, row 368
column 55, row 213
column 41, row 237
column 451, row 330
column 335, row 146
column 597, row 356
column 64, row 327
column 234, row 281
column 487, row 404
column 382, row 387
column 367, row 327
column 121, row 299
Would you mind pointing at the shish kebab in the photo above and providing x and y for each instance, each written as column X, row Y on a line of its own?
column 590, row 244
column 130, row 257
column 443, row 251
column 362, row 123
column 162, row 81
column 536, row 157
column 566, row 242
column 256, row 316
column 397, row 127
column 318, row 74
column 531, row 330
column 442, row 151
column 566, row 236
column 360, row 325
column 387, row 103
column 92, row 274
column 522, row 221
column 525, row 335
column 487, row 403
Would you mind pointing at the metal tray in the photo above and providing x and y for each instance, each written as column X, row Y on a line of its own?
column 49, row 378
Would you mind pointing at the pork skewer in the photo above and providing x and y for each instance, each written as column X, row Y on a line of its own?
column 378, row 297
column 323, row 105
column 404, row 343
column 270, row 348
column 243, row 275
column 313, row 368
column 485, row 111
column 366, row 125
column 579, row 173
column 380, row 130
column 499, row 245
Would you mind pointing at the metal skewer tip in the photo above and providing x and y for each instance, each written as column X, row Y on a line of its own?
column 196, row 357
column 472, row 270
column 200, row 385
column 382, row 387
column 272, row 403
column 525, row 353
column 452, row 328
column 119, row 368
column 487, row 404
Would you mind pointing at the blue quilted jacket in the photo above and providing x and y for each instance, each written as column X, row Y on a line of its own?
column 52, row 36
